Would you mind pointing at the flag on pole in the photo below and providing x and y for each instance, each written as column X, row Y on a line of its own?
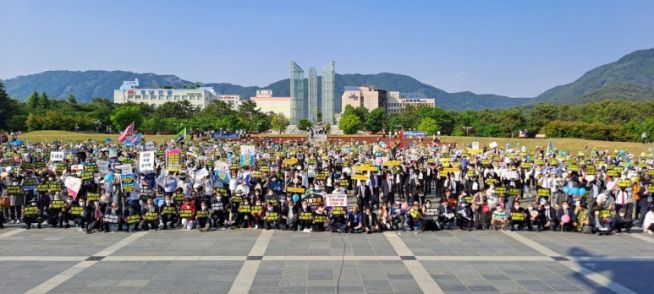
column 134, row 140
column 181, row 136
column 128, row 132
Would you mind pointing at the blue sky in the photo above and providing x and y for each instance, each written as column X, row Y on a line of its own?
column 516, row 48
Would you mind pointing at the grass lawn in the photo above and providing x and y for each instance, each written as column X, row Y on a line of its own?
column 40, row 136
column 569, row 144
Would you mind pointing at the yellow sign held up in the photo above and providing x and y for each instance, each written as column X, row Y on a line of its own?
column 360, row 177
column 392, row 163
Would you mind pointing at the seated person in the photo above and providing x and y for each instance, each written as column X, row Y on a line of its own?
column 464, row 216
column 429, row 216
column 355, row 221
column 623, row 221
column 370, row 223
column 602, row 223
column 518, row 216
column 415, row 217
column 564, row 211
column 445, row 215
column 499, row 218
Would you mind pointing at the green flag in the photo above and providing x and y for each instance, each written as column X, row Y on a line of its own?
column 181, row 136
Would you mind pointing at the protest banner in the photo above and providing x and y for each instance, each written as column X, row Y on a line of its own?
column 103, row 166
column 124, row 168
column 128, row 182
column 146, row 161
column 336, row 199
column 57, row 156
column 73, row 185
column 173, row 160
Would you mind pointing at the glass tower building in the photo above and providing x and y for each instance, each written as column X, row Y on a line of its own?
column 328, row 80
column 297, row 94
column 312, row 113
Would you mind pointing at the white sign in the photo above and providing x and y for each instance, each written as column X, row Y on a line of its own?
column 113, row 153
column 248, row 149
column 150, row 146
column 475, row 145
column 124, row 168
column 336, row 199
column 221, row 166
column 146, row 161
column 103, row 166
column 73, row 185
column 492, row 145
column 57, row 156
column 201, row 174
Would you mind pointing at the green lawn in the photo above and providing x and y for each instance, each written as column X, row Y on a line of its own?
column 571, row 145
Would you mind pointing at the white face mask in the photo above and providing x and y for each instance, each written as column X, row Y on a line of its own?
column 81, row 204
column 70, row 201
column 167, row 201
column 304, row 206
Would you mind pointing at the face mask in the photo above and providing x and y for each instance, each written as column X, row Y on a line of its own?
column 304, row 206
column 167, row 201
column 204, row 207
column 81, row 204
column 70, row 201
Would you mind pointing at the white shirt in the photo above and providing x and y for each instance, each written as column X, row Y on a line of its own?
column 649, row 220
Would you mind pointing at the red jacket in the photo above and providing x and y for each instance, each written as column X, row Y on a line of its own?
column 187, row 206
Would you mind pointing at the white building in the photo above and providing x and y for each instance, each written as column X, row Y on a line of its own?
column 373, row 98
column 234, row 101
column 130, row 92
column 396, row 102
column 268, row 103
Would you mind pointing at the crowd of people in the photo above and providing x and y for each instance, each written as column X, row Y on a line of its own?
column 337, row 186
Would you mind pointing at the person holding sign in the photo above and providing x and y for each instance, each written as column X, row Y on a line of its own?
column 112, row 217
column 56, row 211
column 32, row 215
column 202, row 217
column 187, row 214
column 150, row 214
column 132, row 217
column 305, row 217
column 218, row 212
column 271, row 218
column 319, row 218
column 518, row 216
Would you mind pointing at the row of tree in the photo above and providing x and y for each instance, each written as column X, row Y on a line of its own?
column 613, row 120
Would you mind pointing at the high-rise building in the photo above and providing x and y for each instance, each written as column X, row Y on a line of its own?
column 297, row 94
column 312, row 113
column 328, row 79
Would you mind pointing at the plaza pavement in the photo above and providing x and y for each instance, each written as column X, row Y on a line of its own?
column 258, row 261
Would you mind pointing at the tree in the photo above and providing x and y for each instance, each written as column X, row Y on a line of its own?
column 428, row 125
column 376, row 120
column 43, row 103
column 125, row 115
column 304, row 124
column 350, row 123
column 217, row 109
column 5, row 110
column 177, row 109
column 512, row 119
column 279, row 122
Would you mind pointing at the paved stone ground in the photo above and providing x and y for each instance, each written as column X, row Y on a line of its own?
column 257, row 261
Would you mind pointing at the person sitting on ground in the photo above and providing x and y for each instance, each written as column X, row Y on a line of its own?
column 518, row 216
column 499, row 218
column 648, row 221
column 445, row 215
column 355, row 222
column 566, row 216
column 623, row 221
column 415, row 217
column 602, row 223
column 464, row 216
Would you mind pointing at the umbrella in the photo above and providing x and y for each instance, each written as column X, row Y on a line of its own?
column 16, row 143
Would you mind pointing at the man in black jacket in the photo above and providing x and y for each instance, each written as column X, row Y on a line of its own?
column 363, row 194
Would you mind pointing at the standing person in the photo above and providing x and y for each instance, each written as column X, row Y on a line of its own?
column 363, row 195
